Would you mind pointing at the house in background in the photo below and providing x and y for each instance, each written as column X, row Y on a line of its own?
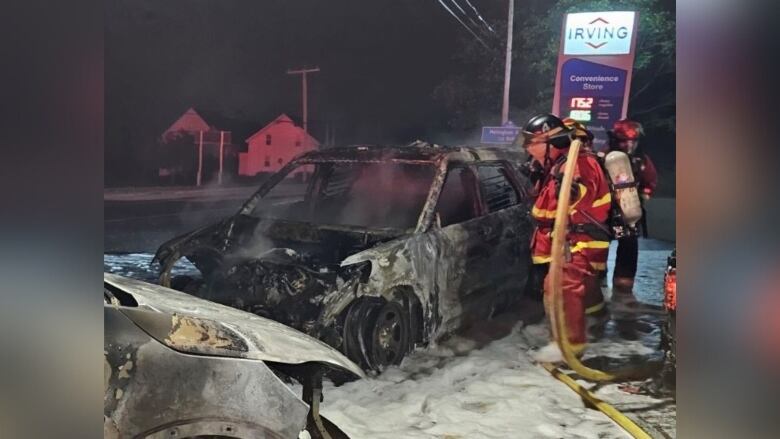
column 269, row 149
column 181, row 141
column 190, row 123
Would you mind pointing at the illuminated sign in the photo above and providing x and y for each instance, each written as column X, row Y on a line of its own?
column 598, row 33
column 584, row 103
column 580, row 115
column 592, row 93
column 595, row 62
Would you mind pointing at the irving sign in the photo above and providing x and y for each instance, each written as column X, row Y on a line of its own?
column 598, row 33
column 595, row 63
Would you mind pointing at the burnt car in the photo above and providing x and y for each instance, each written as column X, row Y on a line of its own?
column 179, row 366
column 381, row 249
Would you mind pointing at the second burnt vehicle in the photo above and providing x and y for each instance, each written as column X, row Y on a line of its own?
column 381, row 249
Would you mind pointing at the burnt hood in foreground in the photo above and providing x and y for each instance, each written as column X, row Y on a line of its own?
column 262, row 339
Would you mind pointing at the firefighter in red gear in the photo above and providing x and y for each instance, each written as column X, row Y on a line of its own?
column 547, row 139
column 625, row 136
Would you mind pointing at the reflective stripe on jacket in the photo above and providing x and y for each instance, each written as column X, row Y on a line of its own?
column 590, row 195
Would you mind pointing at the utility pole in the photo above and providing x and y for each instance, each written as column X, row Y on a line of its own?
column 303, row 73
column 221, row 153
column 200, row 159
column 508, row 66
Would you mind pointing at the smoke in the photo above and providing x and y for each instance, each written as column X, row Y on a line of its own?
column 386, row 195
column 259, row 244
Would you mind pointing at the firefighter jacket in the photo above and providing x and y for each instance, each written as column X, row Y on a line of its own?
column 644, row 173
column 588, row 212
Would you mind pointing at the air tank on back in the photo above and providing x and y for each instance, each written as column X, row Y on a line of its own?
column 618, row 166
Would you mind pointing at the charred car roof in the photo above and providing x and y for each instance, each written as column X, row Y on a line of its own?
column 412, row 153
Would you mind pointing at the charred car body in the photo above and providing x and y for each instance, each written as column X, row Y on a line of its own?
column 179, row 366
column 383, row 248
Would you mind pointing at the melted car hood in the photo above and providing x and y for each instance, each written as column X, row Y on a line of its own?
column 266, row 339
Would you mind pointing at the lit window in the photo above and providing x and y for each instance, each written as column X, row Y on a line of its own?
column 267, row 139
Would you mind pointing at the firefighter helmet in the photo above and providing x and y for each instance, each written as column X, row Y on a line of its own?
column 580, row 131
column 626, row 129
column 547, row 128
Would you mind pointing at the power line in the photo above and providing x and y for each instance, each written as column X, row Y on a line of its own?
column 466, row 14
column 464, row 24
column 480, row 16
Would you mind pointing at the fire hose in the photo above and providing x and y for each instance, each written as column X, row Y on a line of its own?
column 557, row 317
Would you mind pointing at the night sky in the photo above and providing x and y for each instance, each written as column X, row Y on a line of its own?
column 380, row 61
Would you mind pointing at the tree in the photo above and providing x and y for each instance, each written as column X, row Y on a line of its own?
column 652, row 88
column 177, row 155
column 468, row 97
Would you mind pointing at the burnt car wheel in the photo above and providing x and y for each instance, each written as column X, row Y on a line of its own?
column 390, row 338
column 358, row 329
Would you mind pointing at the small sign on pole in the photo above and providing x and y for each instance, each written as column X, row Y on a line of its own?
column 503, row 135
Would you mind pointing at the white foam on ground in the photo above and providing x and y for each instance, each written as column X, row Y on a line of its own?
column 458, row 390
column 455, row 390
column 492, row 392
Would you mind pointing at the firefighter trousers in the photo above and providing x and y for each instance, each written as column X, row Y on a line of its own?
column 626, row 259
column 581, row 291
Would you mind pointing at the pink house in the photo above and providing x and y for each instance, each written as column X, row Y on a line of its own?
column 269, row 149
column 180, row 146
column 190, row 123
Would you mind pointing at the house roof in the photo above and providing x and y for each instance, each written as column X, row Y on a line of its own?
column 188, row 118
column 282, row 118
column 240, row 128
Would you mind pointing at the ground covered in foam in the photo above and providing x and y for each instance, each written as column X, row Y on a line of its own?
column 482, row 383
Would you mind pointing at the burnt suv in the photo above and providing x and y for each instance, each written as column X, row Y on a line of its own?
column 380, row 249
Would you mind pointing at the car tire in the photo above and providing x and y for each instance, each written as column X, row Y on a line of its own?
column 357, row 329
column 391, row 336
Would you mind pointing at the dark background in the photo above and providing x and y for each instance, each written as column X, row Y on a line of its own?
column 391, row 71
column 52, row 254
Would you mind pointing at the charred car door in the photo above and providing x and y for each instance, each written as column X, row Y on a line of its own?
column 505, row 227
column 458, row 213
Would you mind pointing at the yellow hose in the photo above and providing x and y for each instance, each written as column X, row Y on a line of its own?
column 557, row 318
column 622, row 420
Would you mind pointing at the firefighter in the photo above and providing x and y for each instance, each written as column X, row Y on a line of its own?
column 625, row 136
column 547, row 139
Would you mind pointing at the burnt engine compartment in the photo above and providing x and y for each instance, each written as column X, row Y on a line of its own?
column 286, row 291
column 278, row 269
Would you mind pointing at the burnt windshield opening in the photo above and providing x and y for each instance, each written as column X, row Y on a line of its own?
column 356, row 194
column 115, row 296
